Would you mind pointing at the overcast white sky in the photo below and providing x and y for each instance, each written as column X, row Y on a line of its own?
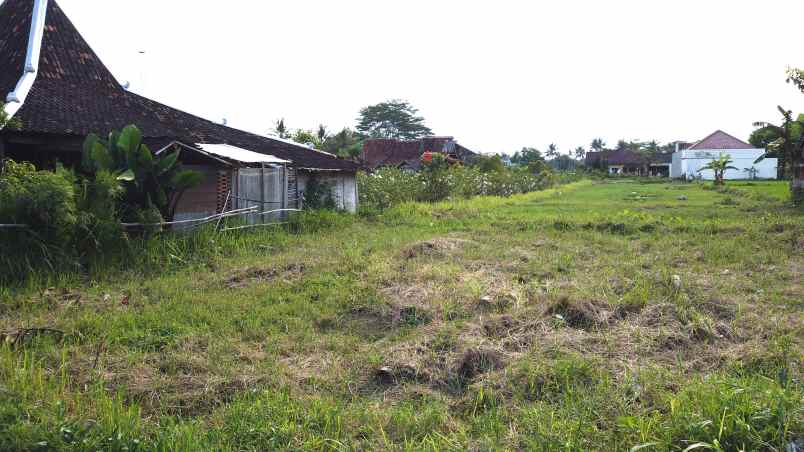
column 497, row 75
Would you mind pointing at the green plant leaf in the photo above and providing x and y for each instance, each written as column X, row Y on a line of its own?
column 167, row 162
column 101, row 159
column 130, row 139
column 187, row 179
column 643, row 446
column 126, row 176
column 698, row 446
column 86, row 155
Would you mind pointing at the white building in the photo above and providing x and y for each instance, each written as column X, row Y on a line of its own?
column 688, row 160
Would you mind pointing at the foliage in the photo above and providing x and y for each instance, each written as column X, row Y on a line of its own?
column 8, row 121
column 152, row 183
column 346, row 143
column 392, row 119
column 719, row 166
column 552, row 151
column 489, row 163
column 796, row 77
column 281, row 130
column 439, row 181
column 42, row 200
column 306, row 138
column 598, row 145
column 527, row 156
column 763, row 137
column 318, row 194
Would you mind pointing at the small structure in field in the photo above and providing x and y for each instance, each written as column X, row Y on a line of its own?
column 56, row 87
column 625, row 162
column 378, row 153
column 689, row 159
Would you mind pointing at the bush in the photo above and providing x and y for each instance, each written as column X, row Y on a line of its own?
column 45, row 202
column 438, row 181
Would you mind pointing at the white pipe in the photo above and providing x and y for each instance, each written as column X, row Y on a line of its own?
column 16, row 98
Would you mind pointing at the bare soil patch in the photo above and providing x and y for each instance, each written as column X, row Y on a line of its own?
column 244, row 278
column 438, row 247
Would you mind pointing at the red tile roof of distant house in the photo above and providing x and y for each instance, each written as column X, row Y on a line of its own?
column 74, row 94
column 391, row 152
column 720, row 140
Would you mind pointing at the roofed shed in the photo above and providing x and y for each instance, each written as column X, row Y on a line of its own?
column 59, row 90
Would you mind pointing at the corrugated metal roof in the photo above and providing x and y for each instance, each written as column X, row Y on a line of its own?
column 239, row 154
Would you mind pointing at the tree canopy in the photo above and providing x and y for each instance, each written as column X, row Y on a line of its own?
column 392, row 119
column 527, row 156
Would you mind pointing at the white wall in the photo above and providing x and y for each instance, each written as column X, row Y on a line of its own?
column 689, row 162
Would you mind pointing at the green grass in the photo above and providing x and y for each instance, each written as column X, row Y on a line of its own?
column 595, row 316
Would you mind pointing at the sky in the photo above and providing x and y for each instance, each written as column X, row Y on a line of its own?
column 497, row 75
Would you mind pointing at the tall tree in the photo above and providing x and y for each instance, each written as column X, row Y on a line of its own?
column 552, row 151
column 527, row 156
column 580, row 153
column 345, row 143
column 281, row 130
column 322, row 133
column 392, row 119
column 598, row 145
column 788, row 148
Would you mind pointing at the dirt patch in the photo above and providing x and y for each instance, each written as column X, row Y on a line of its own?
column 434, row 248
column 580, row 314
column 400, row 373
column 254, row 275
column 478, row 361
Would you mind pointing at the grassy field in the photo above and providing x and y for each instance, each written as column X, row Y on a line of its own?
column 596, row 316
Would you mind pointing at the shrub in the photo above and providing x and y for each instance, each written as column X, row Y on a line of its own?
column 44, row 201
column 438, row 181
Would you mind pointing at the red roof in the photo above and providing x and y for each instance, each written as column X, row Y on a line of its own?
column 720, row 140
column 391, row 152
column 75, row 94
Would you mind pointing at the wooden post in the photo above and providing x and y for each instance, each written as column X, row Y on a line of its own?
column 262, row 191
column 284, row 204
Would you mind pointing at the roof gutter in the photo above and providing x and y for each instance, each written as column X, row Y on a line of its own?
column 16, row 98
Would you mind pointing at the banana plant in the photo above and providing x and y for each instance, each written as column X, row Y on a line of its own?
column 719, row 166
column 149, row 181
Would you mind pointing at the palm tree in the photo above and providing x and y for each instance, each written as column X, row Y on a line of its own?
column 598, row 144
column 719, row 165
column 580, row 153
column 552, row 151
column 752, row 172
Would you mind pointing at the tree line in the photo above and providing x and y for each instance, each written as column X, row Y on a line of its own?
column 393, row 119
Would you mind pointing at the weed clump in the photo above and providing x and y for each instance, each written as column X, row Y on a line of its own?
column 579, row 314
column 436, row 247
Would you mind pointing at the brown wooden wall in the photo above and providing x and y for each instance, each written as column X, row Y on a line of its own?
column 202, row 200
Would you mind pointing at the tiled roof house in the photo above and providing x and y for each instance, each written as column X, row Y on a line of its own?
column 408, row 154
column 55, row 85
